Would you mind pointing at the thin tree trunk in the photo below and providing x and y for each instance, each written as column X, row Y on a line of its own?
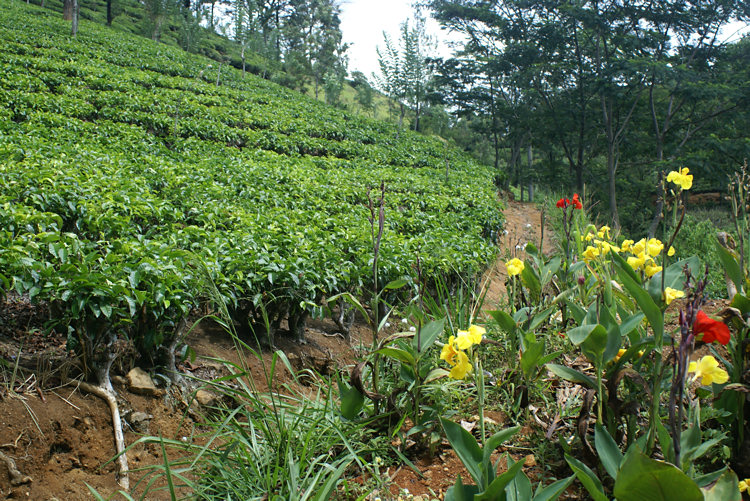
column 109, row 12
column 68, row 10
column 529, row 177
column 74, row 25
column 611, row 174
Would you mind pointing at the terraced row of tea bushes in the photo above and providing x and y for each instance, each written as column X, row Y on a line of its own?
column 128, row 178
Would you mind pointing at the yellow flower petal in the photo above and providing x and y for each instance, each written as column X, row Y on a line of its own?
column 449, row 351
column 652, row 270
column 620, row 353
column 475, row 334
column 462, row 368
column 463, row 342
column 671, row 251
column 707, row 368
column 638, row 247
column 590, row 253
column 654, row 247
column 671, row 294
column 514, row 266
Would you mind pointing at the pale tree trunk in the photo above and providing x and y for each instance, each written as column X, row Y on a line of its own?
column 74, row 26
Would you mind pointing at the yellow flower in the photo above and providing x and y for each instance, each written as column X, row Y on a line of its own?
column 654, row 247
column 637, row 262
column 476, row 332
column 620, row 353
column 671, row 294
column 651, row 269
column 462, row 367
column 590, row 253
column 626, row 245
column 604, row 230
column 589, row 237
column 681, row 178
column 449, row 351
column 467, row 339
column 707, row 368
column 603, row 246
column 514, row 266
column 744, row 484
column 639, row 247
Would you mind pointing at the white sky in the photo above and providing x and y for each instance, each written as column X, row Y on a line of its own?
column 363, row 23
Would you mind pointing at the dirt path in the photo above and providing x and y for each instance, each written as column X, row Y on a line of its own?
column 523, row 224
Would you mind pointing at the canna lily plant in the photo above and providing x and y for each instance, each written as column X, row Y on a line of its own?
column 462, row 354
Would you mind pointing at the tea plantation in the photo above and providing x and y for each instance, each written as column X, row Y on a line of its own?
column 135, row 177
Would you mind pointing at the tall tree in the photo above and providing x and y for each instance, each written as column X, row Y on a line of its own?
column 591, row 65
column 313, row 43
column 404, row 71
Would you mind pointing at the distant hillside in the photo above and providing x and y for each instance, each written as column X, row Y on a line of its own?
column 128, row 17
column 128, row 178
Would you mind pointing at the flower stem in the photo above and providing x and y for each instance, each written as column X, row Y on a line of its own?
column 480, row 391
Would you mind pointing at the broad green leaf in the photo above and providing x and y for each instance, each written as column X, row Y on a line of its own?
column 731, row 266
column 495, row 491
column 609, row 454
column 435, row 374
column 504, row 320
column 531, row 280
column 395, row 284
column 530, row 357
column 519, row 489
column 623, row 265
column 352, row 401
column 397, row 354
column 553, row 490
column 631, row 323
column 644, row 300
column 674, row 276
column 461, row 492
column 578, row 335
column 541, row 317
column 429, row 334
column 571, row 375
column 644, row 479
column 725, row 488
column 496, row 441
column 742, row 303
column 466, row 447
column 587, row 477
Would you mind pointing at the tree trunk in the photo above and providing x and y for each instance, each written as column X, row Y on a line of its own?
column 529, row 177
column 611, row 172
column 109, row 12
column 68, row 10
column 74, row 25
column 242, row 54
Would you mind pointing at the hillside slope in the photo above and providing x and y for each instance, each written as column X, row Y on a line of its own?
column 129, row 180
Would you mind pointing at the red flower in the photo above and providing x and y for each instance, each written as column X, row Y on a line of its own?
column 712, row 330
column 562, row 203
column 577, row 202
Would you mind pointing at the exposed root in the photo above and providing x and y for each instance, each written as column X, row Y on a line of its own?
column 16, row 477
column 122, row 460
